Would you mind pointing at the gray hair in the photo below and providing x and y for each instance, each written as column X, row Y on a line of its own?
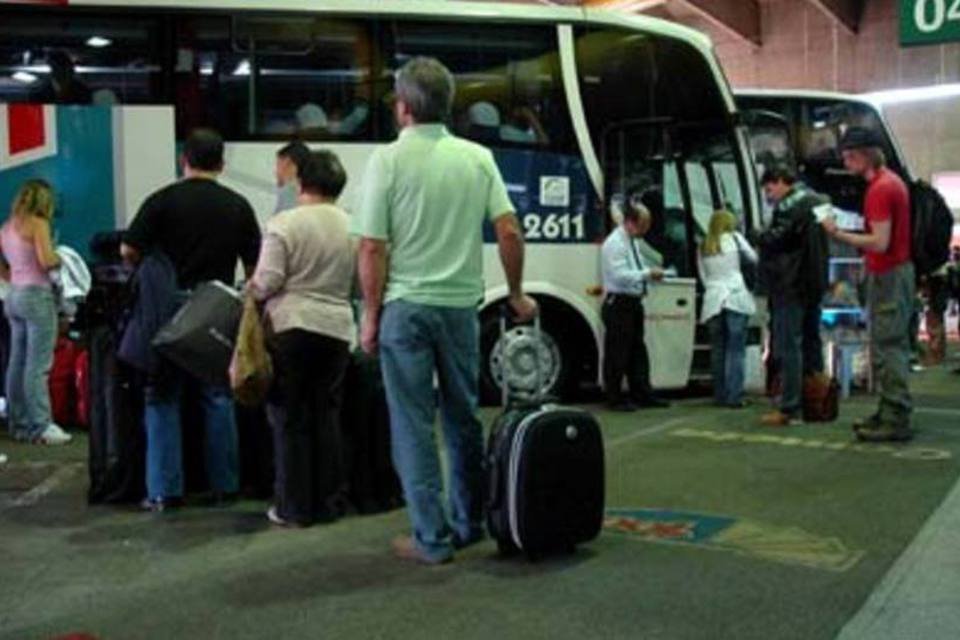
column 427, row 88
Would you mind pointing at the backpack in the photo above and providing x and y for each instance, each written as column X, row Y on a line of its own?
column 931, row 222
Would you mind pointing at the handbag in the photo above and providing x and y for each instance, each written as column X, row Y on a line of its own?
column 251, row 370
column 200, row 338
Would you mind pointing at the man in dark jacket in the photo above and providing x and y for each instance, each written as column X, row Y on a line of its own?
column 794, row 257
column 205, row 229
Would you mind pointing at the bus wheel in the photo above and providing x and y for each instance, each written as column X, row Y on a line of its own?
column 534, row 364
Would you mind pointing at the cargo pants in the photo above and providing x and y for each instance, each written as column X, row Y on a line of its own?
column 890, row 301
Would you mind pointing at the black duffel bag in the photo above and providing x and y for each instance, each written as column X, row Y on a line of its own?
column 200, row 338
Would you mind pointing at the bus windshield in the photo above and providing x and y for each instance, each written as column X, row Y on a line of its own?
column 667, row 145
column 816, row 125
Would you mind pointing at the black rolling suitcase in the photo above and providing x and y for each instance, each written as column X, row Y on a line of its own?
column 117, row 443
column 546, row 477
column 373, row 485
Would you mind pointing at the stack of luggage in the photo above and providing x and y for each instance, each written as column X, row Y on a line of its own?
column 112, row 394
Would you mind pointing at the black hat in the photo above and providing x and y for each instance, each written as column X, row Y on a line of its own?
column 860, row 138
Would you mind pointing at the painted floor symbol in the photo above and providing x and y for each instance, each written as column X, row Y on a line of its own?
column 786, row 545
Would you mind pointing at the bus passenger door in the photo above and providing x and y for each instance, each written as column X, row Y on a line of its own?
column 636, row 161
column 670, row 325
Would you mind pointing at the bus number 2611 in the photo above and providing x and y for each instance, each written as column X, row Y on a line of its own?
column 553, row 226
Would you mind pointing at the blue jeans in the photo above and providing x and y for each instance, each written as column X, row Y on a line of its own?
column 728, row 340
column 164, row 447
column 417, row 341
column 788, row 348
column 32, row 312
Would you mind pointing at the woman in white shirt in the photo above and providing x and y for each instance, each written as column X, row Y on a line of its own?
column 305, row 276
column 727, row 305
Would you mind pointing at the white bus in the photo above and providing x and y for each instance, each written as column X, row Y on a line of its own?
column 583, row 110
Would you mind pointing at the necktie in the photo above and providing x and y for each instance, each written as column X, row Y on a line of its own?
column 637, row 261
column 636, row 255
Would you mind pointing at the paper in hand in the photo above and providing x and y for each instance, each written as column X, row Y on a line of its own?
column 823, row 212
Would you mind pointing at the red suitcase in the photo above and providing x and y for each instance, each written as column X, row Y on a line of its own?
column 63, row 388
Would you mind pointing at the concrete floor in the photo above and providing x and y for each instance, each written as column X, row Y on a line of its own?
column 717, row 528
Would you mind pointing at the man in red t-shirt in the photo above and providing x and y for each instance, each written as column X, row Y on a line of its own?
column 890, row 282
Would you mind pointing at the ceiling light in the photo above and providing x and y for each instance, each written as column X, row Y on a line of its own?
column 99, row 42
column 25, row 77
column 243, row 68
column 629, row 6
column 916, row 94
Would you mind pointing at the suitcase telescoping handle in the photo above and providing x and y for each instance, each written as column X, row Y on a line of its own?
column 507, row 317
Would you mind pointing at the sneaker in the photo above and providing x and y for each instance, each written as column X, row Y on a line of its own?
column 779, row 419
column 54, row 435
column 274, row 517
column 159, row 505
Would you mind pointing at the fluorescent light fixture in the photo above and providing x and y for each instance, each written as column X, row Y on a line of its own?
column 25, row 77
column 243, row 68
column 630, row 6
column 35, row 68
column 99, row 42
column 916, row 94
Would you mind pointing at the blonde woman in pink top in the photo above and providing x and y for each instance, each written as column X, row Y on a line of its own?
column 28, row 256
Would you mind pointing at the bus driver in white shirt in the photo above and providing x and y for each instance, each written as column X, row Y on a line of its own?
column 626, row 279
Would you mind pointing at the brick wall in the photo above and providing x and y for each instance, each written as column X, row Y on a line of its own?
column 805, row 48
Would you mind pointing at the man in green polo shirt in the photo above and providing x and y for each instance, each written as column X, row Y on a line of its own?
column 425, row 199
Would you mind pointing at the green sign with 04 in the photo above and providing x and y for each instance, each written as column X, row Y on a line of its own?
column 929, row 21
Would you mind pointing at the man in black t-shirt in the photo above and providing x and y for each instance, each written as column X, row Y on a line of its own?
column 204, row 228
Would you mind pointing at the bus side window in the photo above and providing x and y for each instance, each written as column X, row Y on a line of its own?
column 509, row 90
column 211, row 82
column 274, row 77
column 59, row 56
column 314, row 76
